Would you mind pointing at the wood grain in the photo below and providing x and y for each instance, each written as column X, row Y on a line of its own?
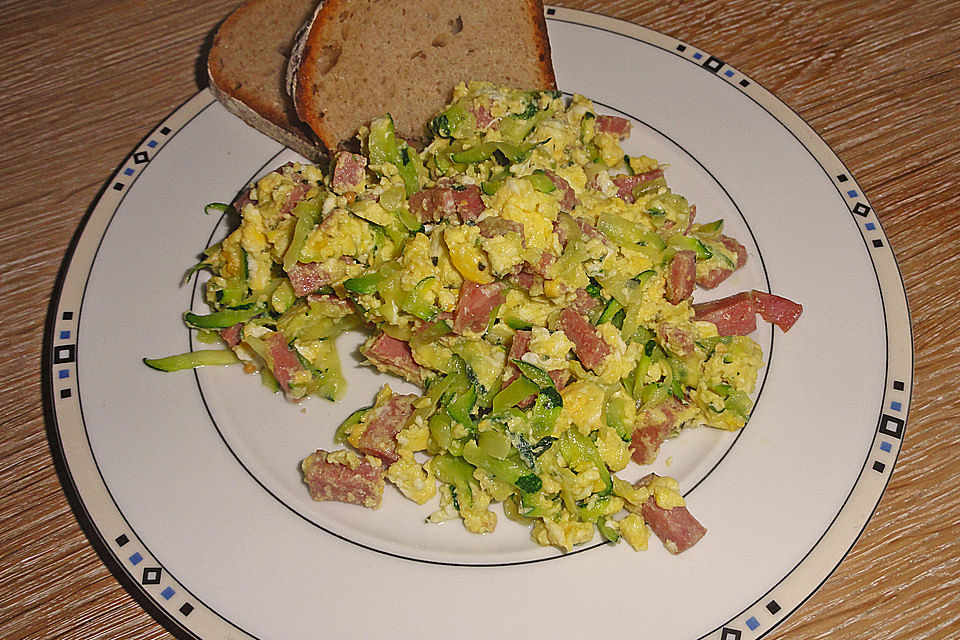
column 84, row 81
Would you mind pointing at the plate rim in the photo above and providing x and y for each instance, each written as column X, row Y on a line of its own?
column 806, row 135
column 110, row 197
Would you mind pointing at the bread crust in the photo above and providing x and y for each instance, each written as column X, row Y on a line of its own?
column 301, row 65
column 543, row 44
column 297, row 141
column 250, row 106
column 296, row 53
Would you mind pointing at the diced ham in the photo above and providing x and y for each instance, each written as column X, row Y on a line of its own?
column 546, row 259
column 444, row 201
column 297, row 193
column 627, row 183
column 307, row 277
column 717, row 275
column 484, row 119
column 652, row 428
column 232, row 335
column 493, row 226
column 381, row 426
column 242, row 200
column 734, row 315
column 348, row 172
column 328, row 478
column 468, row 202
column 526, row 279
column 540, row 268
column 560, row 378
column 390, row 354
column 614, row 125
column 676, row 527
column 584, row 302
column 475, row 304
column 433, row 205
column 776, row 310
column 681, row 277
column 299, row 190
column 568, row 199
column 587, row 343
column 676, row 338
column 284, row 362
column 519, row 346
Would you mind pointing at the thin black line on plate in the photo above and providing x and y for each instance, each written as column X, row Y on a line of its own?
column 880, row 289
column 763, row 268
column 304, row 517
column 87, row 522
column 279, row 499
column 63, row 466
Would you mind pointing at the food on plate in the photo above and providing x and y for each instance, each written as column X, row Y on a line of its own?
column 360, row 59
column 247, row 68
column 532, row 279
column 737, row 314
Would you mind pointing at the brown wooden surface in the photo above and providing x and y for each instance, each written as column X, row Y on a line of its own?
column 83, row 82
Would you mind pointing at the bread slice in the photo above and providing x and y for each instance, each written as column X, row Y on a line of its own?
column 360, row 59
column 247, row 66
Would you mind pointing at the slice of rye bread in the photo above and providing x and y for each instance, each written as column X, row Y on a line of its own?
column 247, row 67
column 361, row 59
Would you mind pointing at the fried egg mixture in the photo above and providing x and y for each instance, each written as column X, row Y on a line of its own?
column 523, row 271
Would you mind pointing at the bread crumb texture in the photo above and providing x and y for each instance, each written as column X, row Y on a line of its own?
column 365, row 58
column 248, row 56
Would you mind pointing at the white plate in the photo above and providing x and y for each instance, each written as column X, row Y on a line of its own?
column 188, row 483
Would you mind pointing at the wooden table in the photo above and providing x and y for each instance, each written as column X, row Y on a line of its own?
column 84, row 81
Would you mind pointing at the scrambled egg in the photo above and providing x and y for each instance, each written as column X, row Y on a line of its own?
column 518, row 201
column 466, row 260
